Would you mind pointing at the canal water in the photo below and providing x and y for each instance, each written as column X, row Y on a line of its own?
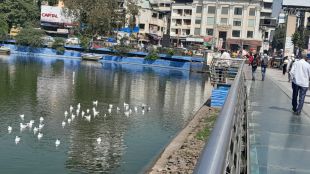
column 130, row 140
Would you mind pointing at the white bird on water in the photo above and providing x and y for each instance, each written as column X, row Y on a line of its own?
column 83, row 113
column 9, row 129
column 17, row 139
column 99, row 140
column 88, row 117
column 22, row 116
column 69, row 120
column 110, row 106
column 71, row 108
column 40, row 135
column 118, row 109
column 136, row 109
column 41, row 119
column 109, row 110
column 87, row 111
column 63, row 124
column 95, row 102
column 35, row 130
column 79, row 106
column 66, row 114
column 77, row 112
column 41, row 126
column 22, row 126
column 72, row 117
column 57, row 142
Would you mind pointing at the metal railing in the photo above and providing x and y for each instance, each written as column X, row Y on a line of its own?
column 225, row 151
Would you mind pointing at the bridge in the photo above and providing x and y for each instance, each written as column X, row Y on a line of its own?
column 256, row 131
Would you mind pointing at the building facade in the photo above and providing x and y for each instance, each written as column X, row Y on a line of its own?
column 268, row 23
column 220, row 23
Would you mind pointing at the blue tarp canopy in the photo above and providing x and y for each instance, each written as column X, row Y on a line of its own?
column 111, row 39
column 129, row 30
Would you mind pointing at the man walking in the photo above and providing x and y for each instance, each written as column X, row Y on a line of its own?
column 300, row 74
column 264, row 64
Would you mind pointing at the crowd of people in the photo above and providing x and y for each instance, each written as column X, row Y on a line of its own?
column 297, row 68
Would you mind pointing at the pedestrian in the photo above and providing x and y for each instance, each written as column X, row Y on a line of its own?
column 284, row 68
column 291, row 61
column 254, row 65
column 264, row 65
column 300, row 74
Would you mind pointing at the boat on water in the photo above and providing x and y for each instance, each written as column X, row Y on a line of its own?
column 5, row 50
column 91, row 56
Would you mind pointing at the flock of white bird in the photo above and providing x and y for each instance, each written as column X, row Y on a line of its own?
column 69, row 117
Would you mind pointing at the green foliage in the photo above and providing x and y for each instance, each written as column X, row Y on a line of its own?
column 100, row 17
column 122, row 49
column 85, row 41
column 153, row 55
column 30, row 36
column 59, row 45
column 132, row 11
column 4, row 28
column 206, row 131
column 298, row 39
column 20, row 12
column 279, row 38
column 170, row 52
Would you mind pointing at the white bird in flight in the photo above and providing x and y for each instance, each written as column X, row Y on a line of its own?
column 95, row 102
column 40, row 135
column 41, row 119
column 9, row 129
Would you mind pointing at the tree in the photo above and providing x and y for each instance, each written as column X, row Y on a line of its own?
column 4, row 28
column 30, row 36
column 279, row 38
column 298, row 39
column 132, row 11
column 20, row 12
column 98, row 17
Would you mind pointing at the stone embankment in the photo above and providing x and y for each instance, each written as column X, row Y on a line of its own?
column 182, row 154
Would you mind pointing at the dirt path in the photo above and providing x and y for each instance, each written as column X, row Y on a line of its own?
column 181, row 155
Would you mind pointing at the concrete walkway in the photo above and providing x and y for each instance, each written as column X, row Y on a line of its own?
column 279, row 140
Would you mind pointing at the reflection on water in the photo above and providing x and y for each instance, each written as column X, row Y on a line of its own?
column 47, row 87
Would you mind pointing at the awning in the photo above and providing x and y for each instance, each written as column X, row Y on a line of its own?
column 251, row 43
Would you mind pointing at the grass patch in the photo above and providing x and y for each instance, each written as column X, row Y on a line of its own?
column 206, row 131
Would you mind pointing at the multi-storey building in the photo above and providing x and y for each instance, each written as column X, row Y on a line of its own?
column 268, row 23
column 230, row 24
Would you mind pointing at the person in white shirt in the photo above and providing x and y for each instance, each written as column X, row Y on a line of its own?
column 300, row 74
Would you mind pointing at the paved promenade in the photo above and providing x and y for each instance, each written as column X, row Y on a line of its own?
column 279, row 140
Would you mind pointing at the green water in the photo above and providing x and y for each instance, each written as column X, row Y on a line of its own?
column 46, row 87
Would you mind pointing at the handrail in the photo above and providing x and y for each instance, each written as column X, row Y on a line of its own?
column 214, row 156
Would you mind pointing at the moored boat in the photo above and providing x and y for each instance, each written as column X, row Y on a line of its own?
column 5, row 50
column 91, row 56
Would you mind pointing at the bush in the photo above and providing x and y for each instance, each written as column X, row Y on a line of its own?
column 153, row 55
column 59, row 45
column 30, row 36
column 170, row 52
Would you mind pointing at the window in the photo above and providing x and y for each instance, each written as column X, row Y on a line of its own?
column 225, row 10
column 237, row 22
column 252, row 12
column 198, row 9
column 142, row 26
column 154, row 15
column 224, row 21
column 209, row 31
column 160, row 16
column 198, row 21
column 211, row 9
column 238, row 11
column 249, row 34
column 236, row 33
column 251, row 22
column 210, row 20
column 197, row 31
